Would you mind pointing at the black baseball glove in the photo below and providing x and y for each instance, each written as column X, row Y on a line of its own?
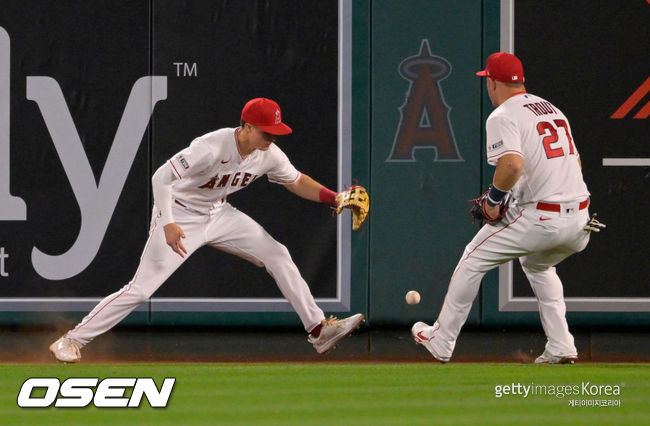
column 478, row 209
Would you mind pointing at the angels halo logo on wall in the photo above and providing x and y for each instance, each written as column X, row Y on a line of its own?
column 425, row 115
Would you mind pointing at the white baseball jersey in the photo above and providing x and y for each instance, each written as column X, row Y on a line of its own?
column 207, row 171
column 535, row 129
column 211, row 168
column 539, row 236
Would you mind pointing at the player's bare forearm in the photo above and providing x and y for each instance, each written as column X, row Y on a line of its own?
column 508, row 171
column 306, row 187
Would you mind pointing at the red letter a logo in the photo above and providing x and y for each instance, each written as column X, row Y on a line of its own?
column 424, row 122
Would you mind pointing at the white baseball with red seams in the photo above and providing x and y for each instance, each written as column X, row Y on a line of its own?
column 412, row 297
column 542, row 227
column 202, row 176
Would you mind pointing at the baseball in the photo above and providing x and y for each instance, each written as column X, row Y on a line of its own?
column 412, row 297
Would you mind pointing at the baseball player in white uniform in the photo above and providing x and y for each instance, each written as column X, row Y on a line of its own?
column 190, row 211
column 529, row 141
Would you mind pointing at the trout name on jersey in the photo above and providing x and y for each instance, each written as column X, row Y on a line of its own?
column 238, row 179
column 541, row 108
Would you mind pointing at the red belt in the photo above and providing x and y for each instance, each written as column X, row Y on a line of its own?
column 551, row 207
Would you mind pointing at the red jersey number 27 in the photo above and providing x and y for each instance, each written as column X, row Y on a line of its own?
column 546, row 128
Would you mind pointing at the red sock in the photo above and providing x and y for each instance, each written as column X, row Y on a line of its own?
column 316, row 331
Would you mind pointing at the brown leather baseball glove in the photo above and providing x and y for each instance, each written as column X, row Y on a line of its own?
column 356, row 199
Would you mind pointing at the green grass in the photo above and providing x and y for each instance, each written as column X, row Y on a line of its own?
column 373, row 394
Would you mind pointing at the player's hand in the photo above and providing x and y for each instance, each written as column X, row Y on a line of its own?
column 173, row 235
column 492, row 211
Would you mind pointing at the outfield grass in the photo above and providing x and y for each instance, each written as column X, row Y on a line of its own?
column 359, row 394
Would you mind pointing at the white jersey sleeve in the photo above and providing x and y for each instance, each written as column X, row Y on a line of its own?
column 282, row 171
column 194, row 159
column 161, row 183
column 503, row 138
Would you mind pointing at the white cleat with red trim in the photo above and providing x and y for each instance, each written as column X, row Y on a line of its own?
column 333, row 331
column 66, row 350
column 423, row 334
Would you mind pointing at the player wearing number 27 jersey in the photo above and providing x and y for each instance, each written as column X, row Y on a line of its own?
column 529, row 141
column 550, row 170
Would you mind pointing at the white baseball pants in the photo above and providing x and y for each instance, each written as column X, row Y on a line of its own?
column 226, row 229
column 539, row 245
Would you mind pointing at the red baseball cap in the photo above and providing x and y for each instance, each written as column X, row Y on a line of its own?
column 504, row 67
column 265, row 114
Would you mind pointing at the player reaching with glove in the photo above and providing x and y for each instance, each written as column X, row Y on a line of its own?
column 530, row 143
column 190, row 211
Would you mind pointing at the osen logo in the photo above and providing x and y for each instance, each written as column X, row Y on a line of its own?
column 81, row 391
